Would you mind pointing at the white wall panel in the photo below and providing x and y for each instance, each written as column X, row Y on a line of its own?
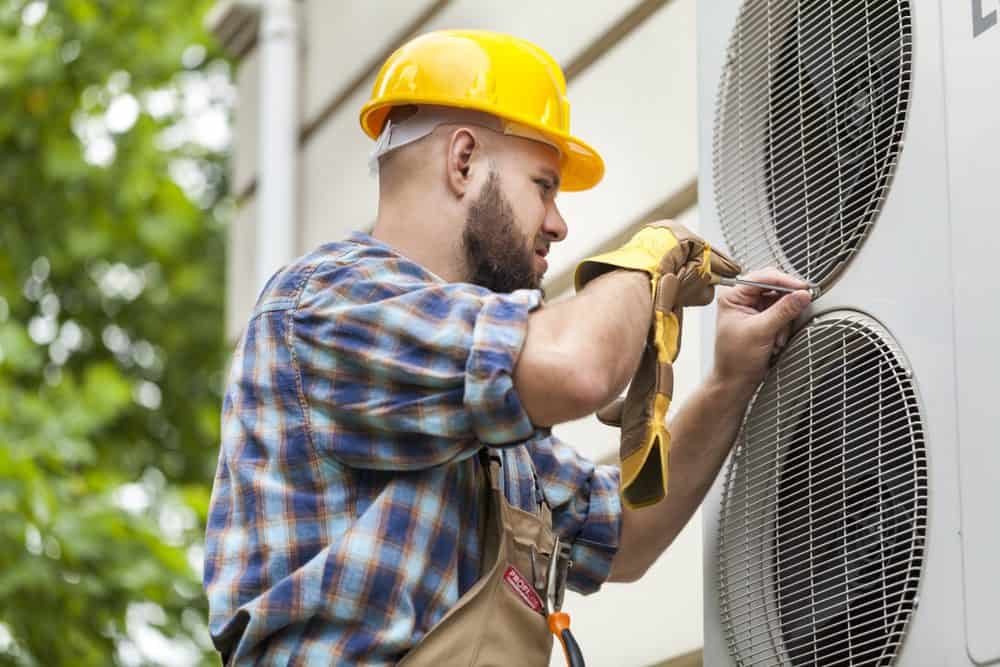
column 241, row 292
column 591, row 438
column 339, row 194
column 343, row 36
column 245, row 136
column 636, row 105
column 638, row 624
column 564, row 28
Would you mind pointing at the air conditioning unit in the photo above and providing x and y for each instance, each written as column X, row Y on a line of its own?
column 855, row 143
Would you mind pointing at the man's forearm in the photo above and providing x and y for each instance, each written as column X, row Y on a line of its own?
column 580, row 353
column 702, row 433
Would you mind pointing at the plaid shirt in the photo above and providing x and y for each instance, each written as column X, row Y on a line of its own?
column 344, row 519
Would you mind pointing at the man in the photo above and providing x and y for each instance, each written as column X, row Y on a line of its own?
column 388, row 486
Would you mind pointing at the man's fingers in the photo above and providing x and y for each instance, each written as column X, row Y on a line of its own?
column 770, row 276
column 759, row 298
column 772, row 321
column 776, row 312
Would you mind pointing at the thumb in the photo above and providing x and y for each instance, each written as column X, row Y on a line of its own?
column 781, row 313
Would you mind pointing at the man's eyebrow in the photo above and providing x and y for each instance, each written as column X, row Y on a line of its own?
column 552, row 176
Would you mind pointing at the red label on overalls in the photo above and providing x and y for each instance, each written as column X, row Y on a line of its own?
column 524, row 589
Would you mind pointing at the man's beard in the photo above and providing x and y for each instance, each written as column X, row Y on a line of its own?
column 498, row 256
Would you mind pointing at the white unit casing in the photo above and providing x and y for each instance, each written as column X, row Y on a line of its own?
column 925, row 272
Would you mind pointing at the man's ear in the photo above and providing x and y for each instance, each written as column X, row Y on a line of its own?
column 462, row 148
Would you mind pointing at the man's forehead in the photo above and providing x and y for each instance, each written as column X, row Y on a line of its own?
column 536, row 154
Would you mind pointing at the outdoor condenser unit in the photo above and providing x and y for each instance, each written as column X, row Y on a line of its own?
column 855, row 143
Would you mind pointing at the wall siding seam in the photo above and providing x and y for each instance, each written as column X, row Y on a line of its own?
column 610, row 38
column 372, row 67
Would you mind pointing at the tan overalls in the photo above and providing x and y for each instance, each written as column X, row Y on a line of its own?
column 501, row 620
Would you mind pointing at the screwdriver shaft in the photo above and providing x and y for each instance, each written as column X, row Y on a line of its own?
column 730, row 282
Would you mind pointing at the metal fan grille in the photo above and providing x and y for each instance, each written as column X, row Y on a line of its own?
column 809, row 123
column 825, row 505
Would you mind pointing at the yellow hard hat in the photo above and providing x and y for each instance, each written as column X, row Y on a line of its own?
column 504, row 76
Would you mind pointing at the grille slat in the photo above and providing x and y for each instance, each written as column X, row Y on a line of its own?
column 761, row 497
column 820, row 400
column 825, row 398
column 821, row 609
column 791, row 535
column 825, row 533
column 862, row 654
column 809, row 124
column 830, row 413
column 824, row 507
column 789, row 90
column 884, row 29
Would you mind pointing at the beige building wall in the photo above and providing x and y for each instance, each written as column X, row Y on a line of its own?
column 631, row 75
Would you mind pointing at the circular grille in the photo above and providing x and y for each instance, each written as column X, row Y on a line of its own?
column 824, row 511
column 809, row 123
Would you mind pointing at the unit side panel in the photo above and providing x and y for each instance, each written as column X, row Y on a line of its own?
column 901, row 277
column 900, row 270
column 972, row 96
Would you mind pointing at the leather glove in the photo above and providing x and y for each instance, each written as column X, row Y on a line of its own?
column 664, row 247
column 641, row 415
column 681, row 267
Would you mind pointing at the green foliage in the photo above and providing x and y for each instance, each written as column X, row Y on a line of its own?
column 112, row 263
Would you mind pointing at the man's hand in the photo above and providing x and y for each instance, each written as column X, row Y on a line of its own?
column 751, row 326
column 681, row 266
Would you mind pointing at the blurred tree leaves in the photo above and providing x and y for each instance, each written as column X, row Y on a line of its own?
column 113, row 132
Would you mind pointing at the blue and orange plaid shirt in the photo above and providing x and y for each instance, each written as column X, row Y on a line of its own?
column 345, row 516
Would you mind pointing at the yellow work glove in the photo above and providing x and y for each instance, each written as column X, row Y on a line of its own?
column 681, row 267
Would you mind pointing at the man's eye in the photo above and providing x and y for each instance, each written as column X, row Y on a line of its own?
column 544, row 185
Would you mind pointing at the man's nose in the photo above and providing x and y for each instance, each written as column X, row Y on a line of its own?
column 554, row 226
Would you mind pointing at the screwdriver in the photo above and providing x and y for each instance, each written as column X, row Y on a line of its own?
column 814, row 290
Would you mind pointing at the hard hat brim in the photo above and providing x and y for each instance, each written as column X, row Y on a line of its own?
column 581, row 165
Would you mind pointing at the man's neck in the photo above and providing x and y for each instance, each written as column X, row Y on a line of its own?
column 418, row 233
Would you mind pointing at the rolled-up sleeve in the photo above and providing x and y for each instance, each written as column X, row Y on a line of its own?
column 406, row 373
column 497, row 338
column 586, row 508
